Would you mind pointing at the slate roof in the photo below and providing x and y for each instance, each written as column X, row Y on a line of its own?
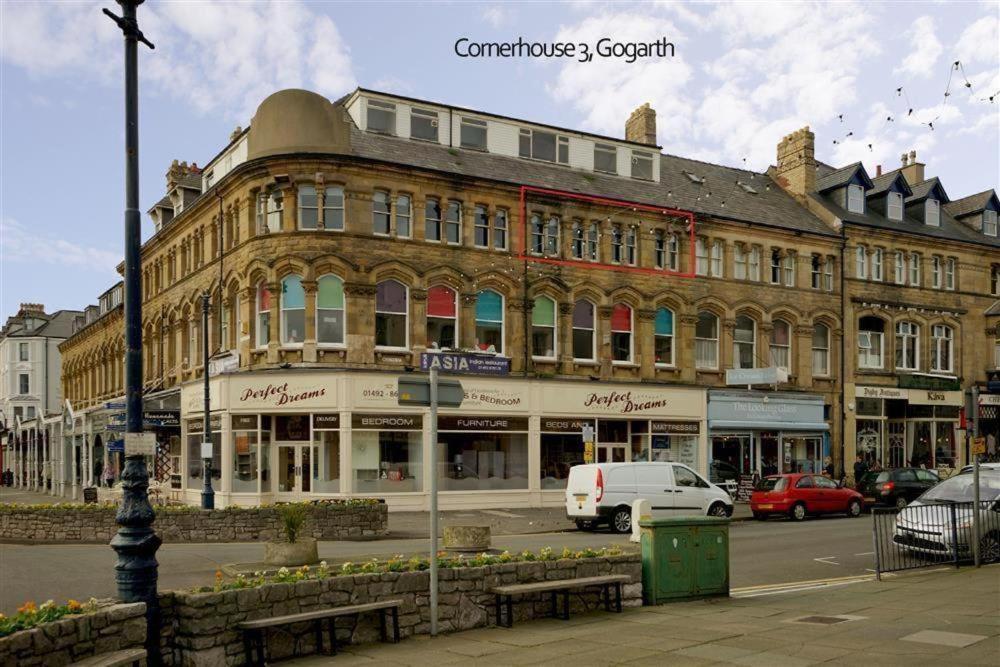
column 924, row 188
column 882, row 183
column 58, row 325
column 836, row 178
column 719, row 196
column 967, row 205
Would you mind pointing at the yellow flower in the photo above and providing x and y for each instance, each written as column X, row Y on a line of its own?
column 73, row 605
column 27, row 608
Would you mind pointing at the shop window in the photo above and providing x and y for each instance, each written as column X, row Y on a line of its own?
column 246, row 453
column 871, row 342
column 621, row 333
column 263, row 315
column 942, row 341
column 821, row 350
column 391, row 315
column 381, row 216
column 442, row 320
column 744, row 342
column 293, row 311
column 584, row 348
column 907, row 346
column 195, row 464
column 333, row 208
column 432, row 219
column 561, row 449
column 326, row 454
column 387, row 461
column 543, row 328
column 706, row 341
column 308, row 207
column 330, row 311
column 490, row 321
column 663, row 337
column 483, row 461
column 781, row 345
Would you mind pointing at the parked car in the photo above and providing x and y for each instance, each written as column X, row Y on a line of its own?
column 800, row 495
column 925, row 525
column 721, row 471
column 897, row 487
column 598, row 493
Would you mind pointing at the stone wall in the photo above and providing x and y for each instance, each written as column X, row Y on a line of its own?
column 96, row 523
column 74, row 638
column 204, row 624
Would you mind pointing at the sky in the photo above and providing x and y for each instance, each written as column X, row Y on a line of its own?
column 742, row 75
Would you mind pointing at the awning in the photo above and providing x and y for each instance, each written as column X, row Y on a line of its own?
column 725, row 425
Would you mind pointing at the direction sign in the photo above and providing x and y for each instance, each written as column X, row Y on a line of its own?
column 417, row 391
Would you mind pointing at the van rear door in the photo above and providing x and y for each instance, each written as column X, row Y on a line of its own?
column 582, row 491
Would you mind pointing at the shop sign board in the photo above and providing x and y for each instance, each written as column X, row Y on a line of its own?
column 481, row 423
column 227, row 362
column 382, row 422
column 479, row 394
column 989, row 399
column 736, row 377
column 162, row 418
column 114, row 405
column 476, row 364
column 914, row 396
column 920, row 381
column 140, row 444
column 330, row 421
column 297, row 393
column 567, row 425
column 624, row 401
column 765, row 409
column 116, row 446
column 677, row 428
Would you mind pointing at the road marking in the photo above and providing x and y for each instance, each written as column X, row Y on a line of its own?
column 806, row 582
column 509, row 515
column 828, row 560
column 867, row 553
column 798, row 586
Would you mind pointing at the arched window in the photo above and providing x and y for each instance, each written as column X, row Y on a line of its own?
column 621, row 333
column 583, row 331
column 263, row 315
column 308, row 207
column 706, row 341
column 942, row 341
column 293, row 311
column 543, row 328
column 744, row 339
column 489, row 321
column 907, row 346
column 391, row 314
column 781, row 345
column 442, row 321
column 330, row 311
column 821, row 350
column 663, row 337
column 871, row 342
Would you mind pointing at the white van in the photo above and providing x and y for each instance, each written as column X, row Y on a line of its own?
column 604, row 492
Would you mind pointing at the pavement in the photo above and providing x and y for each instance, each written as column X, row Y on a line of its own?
column 929, row 617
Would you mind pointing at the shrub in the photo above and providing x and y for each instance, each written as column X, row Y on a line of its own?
column 293, row 515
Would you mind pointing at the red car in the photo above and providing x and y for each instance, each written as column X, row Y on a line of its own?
column 803, row 494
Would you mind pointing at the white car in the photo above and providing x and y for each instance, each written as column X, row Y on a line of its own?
column 925, row 525
column 599, row 493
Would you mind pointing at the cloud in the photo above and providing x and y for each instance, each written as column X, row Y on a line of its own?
column 978, row 42
column 216, row 57
column 19, row 244
column 497, row 16
column 925, row 49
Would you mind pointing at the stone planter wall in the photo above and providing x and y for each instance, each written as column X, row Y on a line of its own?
column 73, row 638
column 96, row 523
column 204, row 624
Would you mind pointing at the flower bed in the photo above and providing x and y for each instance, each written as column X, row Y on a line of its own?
column 75, row 522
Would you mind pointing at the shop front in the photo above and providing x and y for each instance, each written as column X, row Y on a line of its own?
column 299, row 435
column 899, row 427
column 757, row 433
column 989, row 425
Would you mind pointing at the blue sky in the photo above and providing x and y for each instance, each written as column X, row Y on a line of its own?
column 744, row 74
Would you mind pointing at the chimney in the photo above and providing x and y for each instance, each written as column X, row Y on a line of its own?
column 878, row 170
column 641, row 126
column 234, row 135
column 913, row 171
column 32, row 309
column 796, row 169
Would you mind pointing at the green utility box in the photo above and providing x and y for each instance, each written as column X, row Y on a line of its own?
column 684, row 557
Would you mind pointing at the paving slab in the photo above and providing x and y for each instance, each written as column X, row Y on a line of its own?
column 942, row 638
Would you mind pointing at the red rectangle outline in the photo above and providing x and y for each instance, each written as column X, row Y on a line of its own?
column 523, row 255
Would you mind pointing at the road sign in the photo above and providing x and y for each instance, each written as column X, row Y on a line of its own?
column 140, row 444
column 476, row 364
column 417, row 391
column 979, row 445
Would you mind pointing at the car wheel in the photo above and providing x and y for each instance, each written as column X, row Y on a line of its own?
column 621, row 520
column 901, row 502
column 760, row 516
column 854, row 508
column 989, row 548
column 718, row 509
column 584, row 525
column 798, row 512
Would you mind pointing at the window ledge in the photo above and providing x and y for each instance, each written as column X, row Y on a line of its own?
column 624, row 364
column 545, row 360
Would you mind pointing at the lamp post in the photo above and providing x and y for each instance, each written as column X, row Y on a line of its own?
column 207, row 493
column 136, row 542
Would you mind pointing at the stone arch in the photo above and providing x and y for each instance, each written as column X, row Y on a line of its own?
column 446, row 276
column 396, row 270
column 288, row 265
column 628, row 295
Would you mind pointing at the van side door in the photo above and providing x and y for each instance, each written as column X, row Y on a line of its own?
column 689, row 492
column 654, row 483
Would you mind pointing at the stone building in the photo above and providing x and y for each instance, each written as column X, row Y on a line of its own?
column 684, row 310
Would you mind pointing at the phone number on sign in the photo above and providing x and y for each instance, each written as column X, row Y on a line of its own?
column 581, row 51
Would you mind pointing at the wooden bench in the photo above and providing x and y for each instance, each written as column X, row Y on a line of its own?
column 128, row 656
column 253, row 631
column 555, row 587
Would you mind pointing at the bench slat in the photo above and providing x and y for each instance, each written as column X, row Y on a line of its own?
column 314, row 615
column 558, row 584
column 124, row 657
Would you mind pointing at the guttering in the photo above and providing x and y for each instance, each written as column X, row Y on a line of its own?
column 843, row 347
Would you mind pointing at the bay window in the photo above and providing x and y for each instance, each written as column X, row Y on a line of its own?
column 543, row 328
column 330, row 310
column 663, row 337
column 442, row 318
column 293, row 311
column 584, row 348
column 621, row 333
column 391, row 315
column 490, row 321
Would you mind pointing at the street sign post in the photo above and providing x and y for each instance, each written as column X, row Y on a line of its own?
column 588, row 443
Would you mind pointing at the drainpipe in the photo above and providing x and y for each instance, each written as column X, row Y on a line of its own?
column 222, row 250
column 843, row 349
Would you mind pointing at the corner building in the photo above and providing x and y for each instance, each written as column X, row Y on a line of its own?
column 339, row 241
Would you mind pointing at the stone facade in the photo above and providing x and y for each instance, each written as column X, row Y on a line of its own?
column 204, row 624
column 74, row 638
column 96, row 524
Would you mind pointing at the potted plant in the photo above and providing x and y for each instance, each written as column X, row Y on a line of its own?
column 294, row 549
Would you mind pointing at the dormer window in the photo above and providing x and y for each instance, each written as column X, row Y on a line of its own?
column 855, row 198
column 473, row 133
column 642, row 165
column 605, row 158
column 381, row 117
column 894, row 206
column 424, row 124
column 547, row 146
column 932, row 212
column 990, row 223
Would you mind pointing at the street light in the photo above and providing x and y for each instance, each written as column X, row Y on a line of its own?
column 207, row 493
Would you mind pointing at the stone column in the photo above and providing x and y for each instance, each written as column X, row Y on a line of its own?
column 320, row 200
column 643, row 343
column 565, row 331
column 467, row 319
column 603, row 333
column 360, row 336
column 309, row 287
column 726, row 334
column 802, row 354
column 515, row 345
column 684, row 342
column 763, row 347
column 418, row 321
column 246, row 336
column 290, row 217
column 274, row 336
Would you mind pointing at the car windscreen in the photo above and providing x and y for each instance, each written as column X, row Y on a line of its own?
column 772, row 484
column 959, row 488
column 874, row 477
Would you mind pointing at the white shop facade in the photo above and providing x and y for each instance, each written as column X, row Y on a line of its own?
column 304, row 434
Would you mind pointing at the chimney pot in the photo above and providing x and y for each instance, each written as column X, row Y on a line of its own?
column 903, row 158
column 878, row 170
